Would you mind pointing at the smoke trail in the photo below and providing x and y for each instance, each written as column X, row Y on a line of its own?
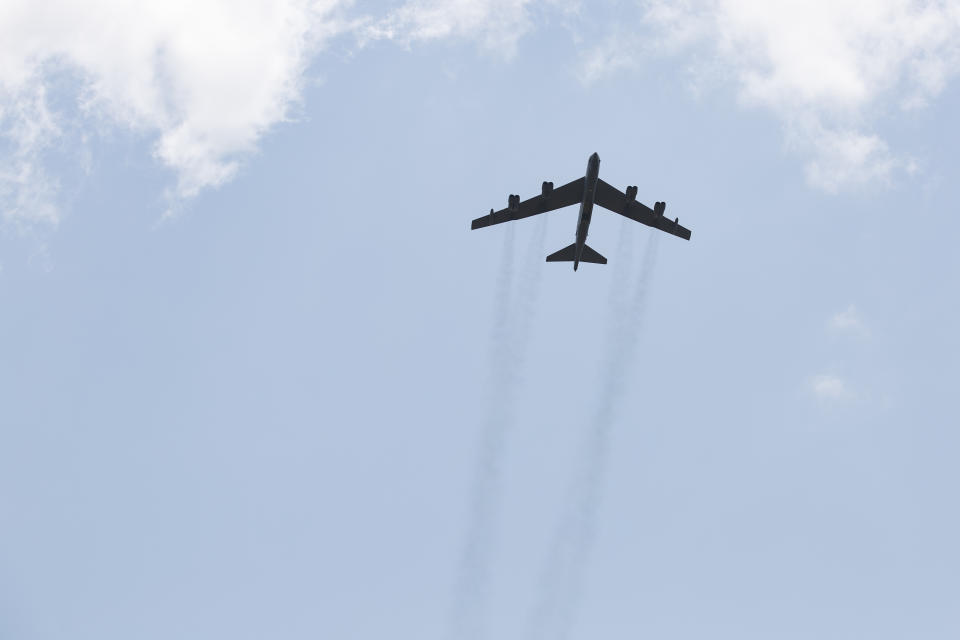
column 508, row 342
column 471, row 583
column 622, row 268
column 528, row 290
column 563, row 574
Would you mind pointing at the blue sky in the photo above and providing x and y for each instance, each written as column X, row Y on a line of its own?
column 248, row 343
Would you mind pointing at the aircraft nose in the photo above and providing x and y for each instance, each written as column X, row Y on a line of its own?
column 595, row 156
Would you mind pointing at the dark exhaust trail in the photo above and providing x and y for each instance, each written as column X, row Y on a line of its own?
column 563, row 574
column 528, row 291
column 511, row 327
column 471, row 583
column 622, row 267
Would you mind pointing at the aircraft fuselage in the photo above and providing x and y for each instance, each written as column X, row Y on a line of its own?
column 586, row 207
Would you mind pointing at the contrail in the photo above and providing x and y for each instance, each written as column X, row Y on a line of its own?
column 511, row 327
column 563, row 574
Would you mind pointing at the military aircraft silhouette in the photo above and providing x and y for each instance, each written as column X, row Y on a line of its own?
column 588, row 190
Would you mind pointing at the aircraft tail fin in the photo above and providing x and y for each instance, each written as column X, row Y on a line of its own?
column 568, row 254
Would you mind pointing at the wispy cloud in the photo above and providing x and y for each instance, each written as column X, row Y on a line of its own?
column 497, row 24
column 830, row 387
column 205, row 79
column 826, row 69
column 842, row 158
column 615, row 53
column 27, row 127
column 848, row 322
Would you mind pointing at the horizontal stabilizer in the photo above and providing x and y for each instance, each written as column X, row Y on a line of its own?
column 589, row 255
column 568, row 254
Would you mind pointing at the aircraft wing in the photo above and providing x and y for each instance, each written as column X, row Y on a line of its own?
column 617, row 201
column 568, row 194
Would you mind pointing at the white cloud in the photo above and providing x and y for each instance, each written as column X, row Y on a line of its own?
column 27, row 127
column 825, row 68
column 848, row 321
column 205, row 79
column 497, row 24
column 616, row 52
column 843, row 158
column 830, row 387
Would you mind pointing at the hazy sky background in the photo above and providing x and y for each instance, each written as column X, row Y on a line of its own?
column 248, row 341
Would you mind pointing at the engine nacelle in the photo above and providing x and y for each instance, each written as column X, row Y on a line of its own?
column 658, row 209
column 513, row 203
column 547, row 189
column 631, row 194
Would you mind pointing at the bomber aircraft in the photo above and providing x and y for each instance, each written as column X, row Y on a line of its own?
column 588, row 190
